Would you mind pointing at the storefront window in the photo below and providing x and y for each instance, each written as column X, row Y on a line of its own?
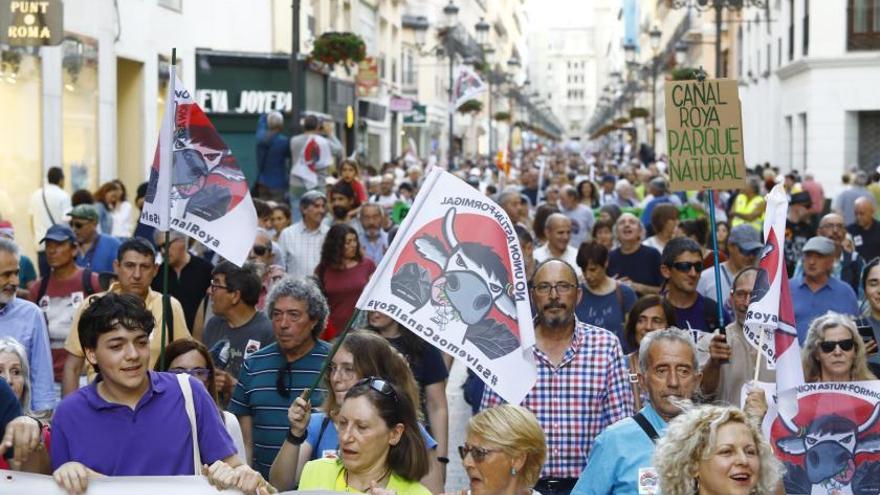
column 20, row 138
column 79, row 67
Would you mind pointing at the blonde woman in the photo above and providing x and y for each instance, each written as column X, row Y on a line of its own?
column 504, row 451
column 834, row 351
column 716, row 450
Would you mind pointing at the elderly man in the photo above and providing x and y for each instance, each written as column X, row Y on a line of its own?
column 848, row 263
column 558, row 233
column 386, row 197
column 510, row 200
column 633, row 263
column 865, row 231
column 274, row 376
column 728, row 360
column 817, row 291
column 372, row 235
column 620, row 462
column 23, row 321
column 582, row 386
column 301, row 242
column 581, row 215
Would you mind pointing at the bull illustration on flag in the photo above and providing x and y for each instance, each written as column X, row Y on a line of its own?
column 832, row 445
column 455, row 276
column 196, row 186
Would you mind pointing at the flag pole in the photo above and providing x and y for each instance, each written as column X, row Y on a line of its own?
column 308, row 393
column 717, row 264
column 166, row 298
column 758, row 361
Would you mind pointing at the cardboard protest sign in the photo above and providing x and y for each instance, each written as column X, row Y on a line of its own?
column 704, row 135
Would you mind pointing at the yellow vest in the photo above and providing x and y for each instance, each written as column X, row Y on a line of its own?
column 329, row 474
column 745, row 206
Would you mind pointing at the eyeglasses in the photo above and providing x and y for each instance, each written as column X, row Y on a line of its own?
column 214, row 286
column 260, row 250
column 346, row 370
column 829, row 345
column 283, row 381
column 562, row 288
column 201, row 374
column 379, row 385
column 685, row 267
column 742, row 294
column 78, row 225
column 478, row 454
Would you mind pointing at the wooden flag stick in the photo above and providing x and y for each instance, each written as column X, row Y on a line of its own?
column 166, row 298
column 760, row 353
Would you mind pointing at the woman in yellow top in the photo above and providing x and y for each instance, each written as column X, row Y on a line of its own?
column 381, row 449
column 749, row 205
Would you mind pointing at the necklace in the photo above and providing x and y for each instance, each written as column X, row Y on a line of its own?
column 352, row 489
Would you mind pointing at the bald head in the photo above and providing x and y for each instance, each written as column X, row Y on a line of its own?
column 864, row 209
column 832, row 227
column 558, row 232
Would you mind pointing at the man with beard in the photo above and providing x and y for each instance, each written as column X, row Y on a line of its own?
column 582, row 385
column 620, row 462
column 342, row 201
column 23, row 321
column 373, row 237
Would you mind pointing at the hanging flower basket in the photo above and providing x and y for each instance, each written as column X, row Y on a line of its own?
column 638, row 112
column 471, row 106
column 338, row 48
column 621, row 121
column 685, row 74
column 502, row 115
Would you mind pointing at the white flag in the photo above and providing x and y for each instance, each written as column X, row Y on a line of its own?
column 316, row 155
column 467, row 85
column 196, row 186
column 455, row 276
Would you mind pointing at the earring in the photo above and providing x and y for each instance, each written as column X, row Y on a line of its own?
column 513, row 471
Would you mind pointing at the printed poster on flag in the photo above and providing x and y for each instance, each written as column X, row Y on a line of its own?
column 316, row 155
column 196, row 186
column 466, row 86
column 831, row 446
column 455, row 276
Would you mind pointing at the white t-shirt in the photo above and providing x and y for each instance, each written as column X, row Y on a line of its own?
column 59, row 205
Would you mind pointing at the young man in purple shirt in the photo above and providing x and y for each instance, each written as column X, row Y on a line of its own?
column 132, row 421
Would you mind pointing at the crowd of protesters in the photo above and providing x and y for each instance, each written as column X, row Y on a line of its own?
column 629, row 340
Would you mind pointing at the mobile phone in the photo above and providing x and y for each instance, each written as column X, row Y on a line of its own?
column 866, row 332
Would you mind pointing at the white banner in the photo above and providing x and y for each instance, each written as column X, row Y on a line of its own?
column 15, row 483
column 455, row 276
column 196, row 186
column 466, row 87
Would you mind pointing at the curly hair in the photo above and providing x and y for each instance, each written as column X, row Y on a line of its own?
column 302, row 289
column 816, row 335
column 333, row 249
column 690, row 440
column 514, row 430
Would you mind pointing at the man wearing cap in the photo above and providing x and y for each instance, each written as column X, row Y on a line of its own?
column 743, row 246
column 816, row 291
column 301, row 242
column 847, row 262
column 865, row 231
column 60, row 293
column 96, row 251
column 798, row 228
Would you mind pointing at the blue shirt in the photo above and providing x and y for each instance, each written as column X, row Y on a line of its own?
column 329, row 440
column 375, row 250
column 618, row 454
column 101, row 256
column 153, row 439
column 608, row 311
column 256, row 395
column 273, row 152
column 833, row 296
column 23, row 321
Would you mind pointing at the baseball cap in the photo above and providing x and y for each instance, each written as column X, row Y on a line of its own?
column 59, row 233
column 745, row 237
column 819, row 244
column 801, row 198
column 88, row 212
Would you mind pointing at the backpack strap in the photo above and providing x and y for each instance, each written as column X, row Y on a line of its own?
column 44, row 286
column 324, row 423
column 646, row 426
column 87, row 282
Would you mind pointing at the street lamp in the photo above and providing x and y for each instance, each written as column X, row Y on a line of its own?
column 450, row 13
column 681, row 49
column 654, row 35
column 420, row 26
column 482, row 30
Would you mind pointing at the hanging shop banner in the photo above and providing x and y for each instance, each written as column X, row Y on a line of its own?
column 34, row 23
column 417, row 117
column 704, row 135
column 368, row 77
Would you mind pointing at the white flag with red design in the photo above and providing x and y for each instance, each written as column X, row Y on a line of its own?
column 316, row 155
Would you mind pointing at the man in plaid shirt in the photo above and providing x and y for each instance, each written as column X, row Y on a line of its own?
column 582, row 385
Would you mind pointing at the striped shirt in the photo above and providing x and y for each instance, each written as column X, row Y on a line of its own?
column 576, row 400
column 302, row 248
column 255, row 395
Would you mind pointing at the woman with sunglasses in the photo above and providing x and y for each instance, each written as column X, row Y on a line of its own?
column 834, row 351
column 381, row 449
column 504, row 451
column 192, row 357
column 362, row 353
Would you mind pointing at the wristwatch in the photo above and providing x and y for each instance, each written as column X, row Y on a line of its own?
column 295, row 440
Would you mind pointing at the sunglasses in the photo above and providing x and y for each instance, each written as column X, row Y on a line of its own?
column 685, row 267
column 829, row 345
column 283, row 383
column 379, row 385
column 478, row 454
column 260, row 250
